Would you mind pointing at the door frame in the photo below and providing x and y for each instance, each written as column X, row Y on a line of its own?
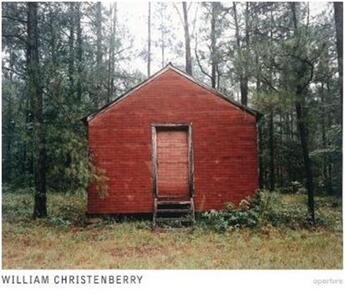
column 178, row 126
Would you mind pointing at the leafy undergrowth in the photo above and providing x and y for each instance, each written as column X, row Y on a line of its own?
column 66, row 239
column 273, row 209
column 64, row 209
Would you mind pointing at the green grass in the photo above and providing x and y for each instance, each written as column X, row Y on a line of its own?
column 65, row 240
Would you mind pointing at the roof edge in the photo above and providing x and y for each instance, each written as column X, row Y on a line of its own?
column 216, row 92
column 90, row 116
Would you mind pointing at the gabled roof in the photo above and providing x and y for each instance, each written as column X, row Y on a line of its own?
column 89, row 117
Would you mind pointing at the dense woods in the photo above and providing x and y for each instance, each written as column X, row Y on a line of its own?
column 62, row 61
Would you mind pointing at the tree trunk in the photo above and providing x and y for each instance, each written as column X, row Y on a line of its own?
column 79, row 51
column 53, row 35
column 329, row 123
column 162, row 36
column 9, row 122
column 99, row 54
column 324, row 141
column 114, row 48
column 163, row 49
column 303, row 128
column 338, row 16
column 213, row 44
column 27, row 151
column 244, row 90
column 280, row 159
column 271, row 117
column 71, row 49
column 149, row 40
column 271, row 148
column 36, row 97
column 261, row 162
column 288, row 139
column 260, row 129
column 111, row 61
column 187, row 40
column 243, row 81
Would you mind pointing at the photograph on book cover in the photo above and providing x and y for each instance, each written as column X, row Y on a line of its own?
column 172, row 135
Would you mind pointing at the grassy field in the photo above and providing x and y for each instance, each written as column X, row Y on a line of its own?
column 66, row 240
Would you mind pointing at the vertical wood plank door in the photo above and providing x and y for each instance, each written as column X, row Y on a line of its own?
column 172, row 163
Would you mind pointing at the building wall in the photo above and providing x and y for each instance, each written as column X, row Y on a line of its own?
column 224, row 146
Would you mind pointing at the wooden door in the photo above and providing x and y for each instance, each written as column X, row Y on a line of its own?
column 172, row 163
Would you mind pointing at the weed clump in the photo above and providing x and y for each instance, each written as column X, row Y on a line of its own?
column 246, row 214
column 267, row 209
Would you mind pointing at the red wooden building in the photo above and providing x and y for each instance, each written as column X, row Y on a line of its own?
column 172, row 141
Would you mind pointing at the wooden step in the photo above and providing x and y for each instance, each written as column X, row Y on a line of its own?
column 163, row 202
column 174, row 210
column 183, row 208
column 180, row 219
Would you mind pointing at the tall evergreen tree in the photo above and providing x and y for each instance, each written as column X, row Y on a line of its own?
column 36, row 97
column 188, row 54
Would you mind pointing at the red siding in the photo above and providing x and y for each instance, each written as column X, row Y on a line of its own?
column 224, row 145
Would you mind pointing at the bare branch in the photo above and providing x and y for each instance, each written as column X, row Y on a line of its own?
column 178, row 12
column 14, row 19
column 268, row 83
column 198, row 60
column 311, row 75
column 14, row 71
column 20, row 38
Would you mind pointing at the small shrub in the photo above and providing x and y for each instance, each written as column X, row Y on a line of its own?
column 266, row 202
column 285, row 211
column 59, row 221
column 291, row 188
column 17, row 207
column 233, row 217
column 302, row 191
column 264, row 209
column 295, row 186
column 144, row 225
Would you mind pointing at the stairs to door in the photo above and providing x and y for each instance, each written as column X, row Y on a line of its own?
column 173, row 211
